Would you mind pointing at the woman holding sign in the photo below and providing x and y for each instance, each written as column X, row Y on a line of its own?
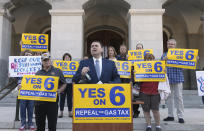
column 150, row 95
column 67, row 92
column 26, row 104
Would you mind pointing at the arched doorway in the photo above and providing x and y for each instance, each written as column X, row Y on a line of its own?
column 106, row 20
column 47, row 30
column 165, row 39
column 167, row 34
column 107, row 37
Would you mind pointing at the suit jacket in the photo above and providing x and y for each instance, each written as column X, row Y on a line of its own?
column 109, row 73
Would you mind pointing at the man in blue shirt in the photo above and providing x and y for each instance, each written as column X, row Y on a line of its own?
column 176, row 79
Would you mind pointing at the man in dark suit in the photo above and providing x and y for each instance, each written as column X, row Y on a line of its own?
column 97, row 69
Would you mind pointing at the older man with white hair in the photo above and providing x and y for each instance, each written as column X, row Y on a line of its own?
column 176, row 80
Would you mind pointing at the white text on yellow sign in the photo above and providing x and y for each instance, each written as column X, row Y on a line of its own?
column 102, row 103
column 34, row 42
column 182, row 58
column 41, row 88
column 138, row 55
column 149, row 71
column 124, row 68
column 68, row 68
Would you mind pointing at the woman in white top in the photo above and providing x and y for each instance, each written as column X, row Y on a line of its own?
column 67, row 92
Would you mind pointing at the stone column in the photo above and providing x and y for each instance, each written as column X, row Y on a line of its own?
column 5, row 45
column 67, row 33
column 202, row 19
column 145, row 26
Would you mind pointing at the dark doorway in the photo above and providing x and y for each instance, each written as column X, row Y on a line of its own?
column 165, row 39
column 107, row 37
column 49, row 38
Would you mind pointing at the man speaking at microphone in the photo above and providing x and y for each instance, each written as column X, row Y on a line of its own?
column 97, row 70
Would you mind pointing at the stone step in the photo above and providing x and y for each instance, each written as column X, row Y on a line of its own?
column 190, row 97
column 137, row 126
column 193, row 121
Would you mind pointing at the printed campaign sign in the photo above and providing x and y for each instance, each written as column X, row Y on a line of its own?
column 24, row 65
column 149, row 71
column 200, row 82
column 138, row 55
column 40, row 88
column 102, row 103
column 182, row 58
column 69, row 68
column 124, row 68
column 34, row 42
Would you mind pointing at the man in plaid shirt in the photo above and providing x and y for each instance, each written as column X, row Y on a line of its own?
column 176, row 79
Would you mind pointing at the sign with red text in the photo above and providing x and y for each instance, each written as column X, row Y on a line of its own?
column 24, row 65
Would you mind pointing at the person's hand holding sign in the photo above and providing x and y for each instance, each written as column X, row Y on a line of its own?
column 62, row 88
column 165, row 58
column 19, row 86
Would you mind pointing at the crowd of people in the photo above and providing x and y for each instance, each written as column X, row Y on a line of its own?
column 102, row 74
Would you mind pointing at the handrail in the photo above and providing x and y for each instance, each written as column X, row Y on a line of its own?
column 13, row 83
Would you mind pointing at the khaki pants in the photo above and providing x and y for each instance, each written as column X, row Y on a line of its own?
column 175, row 99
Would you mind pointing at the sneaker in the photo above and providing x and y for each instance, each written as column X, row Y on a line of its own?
column 70, row 114
column 181, row 120
column 168, row 119
column 61, row 114
column 32, row 128
column 148, row 129
column 22, row 128
column 158, row 129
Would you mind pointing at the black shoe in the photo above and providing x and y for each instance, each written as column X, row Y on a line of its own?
column 181, row 120
column 168, row 119
column 148, row 129
column 136, row 115
column 158, row 129
column 60, row 116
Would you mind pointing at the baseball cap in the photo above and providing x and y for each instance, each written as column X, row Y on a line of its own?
column 45, row 56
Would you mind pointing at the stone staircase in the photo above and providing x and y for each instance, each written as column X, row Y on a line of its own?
column 192, row 102
column 9, row 100
column 190, row 97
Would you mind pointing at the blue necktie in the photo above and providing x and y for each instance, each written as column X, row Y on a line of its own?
column 97, row 69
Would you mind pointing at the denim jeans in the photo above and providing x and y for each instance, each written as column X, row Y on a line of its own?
column 29, row 105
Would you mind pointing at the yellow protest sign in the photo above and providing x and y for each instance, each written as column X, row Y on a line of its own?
column 34, row 42
column 138, row 55
column 182, row 58
column 149, row 71
column 124, row 68
column 41, row 88
column 68, row 68
column 102, row 103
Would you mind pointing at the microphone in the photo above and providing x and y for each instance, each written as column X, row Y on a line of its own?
column 87, row 76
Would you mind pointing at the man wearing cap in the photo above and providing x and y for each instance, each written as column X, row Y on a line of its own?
column 45, row 109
